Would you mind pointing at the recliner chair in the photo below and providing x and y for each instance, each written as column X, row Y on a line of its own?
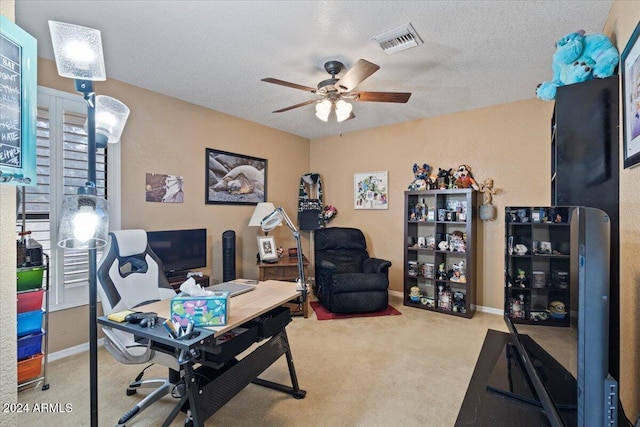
column 131, row 274
column 347, row 279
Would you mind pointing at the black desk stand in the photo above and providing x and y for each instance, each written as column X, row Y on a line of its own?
column 220, row 375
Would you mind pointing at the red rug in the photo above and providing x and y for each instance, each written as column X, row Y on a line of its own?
column 324, row 314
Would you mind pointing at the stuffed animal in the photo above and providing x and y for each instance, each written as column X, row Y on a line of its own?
column 444, row 178
column 578, row 58
column 463, row 178
column 422, row 178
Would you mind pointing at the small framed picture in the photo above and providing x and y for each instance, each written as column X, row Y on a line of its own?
column 267, row 248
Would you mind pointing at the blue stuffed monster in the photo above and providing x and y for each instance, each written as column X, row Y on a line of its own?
column 579, row 58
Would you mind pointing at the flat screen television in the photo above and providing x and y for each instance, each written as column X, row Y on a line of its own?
column 180, row 250
column 565, row 369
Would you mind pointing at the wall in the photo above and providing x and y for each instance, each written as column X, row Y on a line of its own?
column 8, row 368
column 510, row 143
column 165, row 135
column 623, row 18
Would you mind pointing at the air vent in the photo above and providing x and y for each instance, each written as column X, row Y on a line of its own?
column 398, row 39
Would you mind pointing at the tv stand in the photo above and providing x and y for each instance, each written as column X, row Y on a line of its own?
column 176, row 280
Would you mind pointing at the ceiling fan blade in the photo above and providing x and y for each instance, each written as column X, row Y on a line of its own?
column 401, row 97
column 302, row 104
column 360, row 71
column 289, row 84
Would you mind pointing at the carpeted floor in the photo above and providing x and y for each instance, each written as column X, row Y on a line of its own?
column 408, row 370
column 323, row 314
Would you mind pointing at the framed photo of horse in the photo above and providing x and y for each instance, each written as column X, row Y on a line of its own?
column 234, row 179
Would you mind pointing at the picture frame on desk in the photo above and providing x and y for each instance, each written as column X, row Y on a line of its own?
column 630, row 76
column 267, row 249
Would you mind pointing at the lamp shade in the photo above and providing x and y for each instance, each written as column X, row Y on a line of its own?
column 343, row 110
column 78, row 51
column 323, row 109
column 262, row 209
column 111, row 117
column 84, row 223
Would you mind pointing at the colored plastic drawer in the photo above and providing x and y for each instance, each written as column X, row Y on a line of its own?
column 29, row 322
column 30, row 345
column 29, row 278
column 29, row 368
column 30, row 301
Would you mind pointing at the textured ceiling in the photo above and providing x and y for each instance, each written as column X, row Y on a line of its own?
column 214, row 53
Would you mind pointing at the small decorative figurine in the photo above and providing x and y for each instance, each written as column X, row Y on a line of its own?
column 414, row 294
column 521, row 279
column 442, row 273
column 487, row 211
column 459, row 305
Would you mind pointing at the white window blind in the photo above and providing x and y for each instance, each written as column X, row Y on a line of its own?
column 61, row 169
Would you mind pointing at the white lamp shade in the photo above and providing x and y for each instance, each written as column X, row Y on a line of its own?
column 111, row 117
column 262, row 209
column 78, row 51
column 323, row 109
column 84, row 223
column 343, row 110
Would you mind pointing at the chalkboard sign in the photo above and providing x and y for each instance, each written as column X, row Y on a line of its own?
column 18, row 105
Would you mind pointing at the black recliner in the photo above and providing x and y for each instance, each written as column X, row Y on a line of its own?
column 347, row 280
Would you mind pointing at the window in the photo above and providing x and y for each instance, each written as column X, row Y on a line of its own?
column 61, row 168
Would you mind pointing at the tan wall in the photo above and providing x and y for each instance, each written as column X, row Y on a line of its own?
column 510, row 143
column 623, row 18
column 8, row 368
column 165, row 135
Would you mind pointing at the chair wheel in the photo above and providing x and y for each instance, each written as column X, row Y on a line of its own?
column 131, row 391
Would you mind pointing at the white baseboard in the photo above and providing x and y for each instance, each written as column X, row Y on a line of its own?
column 490, row 310
column 80, row 348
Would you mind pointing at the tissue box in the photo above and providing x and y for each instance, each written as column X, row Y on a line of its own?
column 211, row 310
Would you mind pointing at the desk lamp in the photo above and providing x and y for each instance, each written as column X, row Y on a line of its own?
column 270, row 222
column 84, row 223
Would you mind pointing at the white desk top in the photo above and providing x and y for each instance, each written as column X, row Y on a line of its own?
column 266, row 296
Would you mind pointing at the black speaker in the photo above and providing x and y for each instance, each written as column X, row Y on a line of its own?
column 228, row 255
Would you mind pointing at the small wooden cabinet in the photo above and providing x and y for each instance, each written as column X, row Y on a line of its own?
column 286, row 269
column 440, row 242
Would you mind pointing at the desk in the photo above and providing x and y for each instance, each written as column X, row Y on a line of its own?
column 285, row 269
column 212, row 383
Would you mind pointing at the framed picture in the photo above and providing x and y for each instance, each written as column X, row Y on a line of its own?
column 164, row 188
column 630, row 73
column 267, row 248
column 234, row 179
column 371, row 190
column 18, row 87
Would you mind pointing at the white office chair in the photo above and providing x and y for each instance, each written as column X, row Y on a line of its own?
column 131, row 274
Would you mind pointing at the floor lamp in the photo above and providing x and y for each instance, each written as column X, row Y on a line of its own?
column 84, row 223
column 270, row 222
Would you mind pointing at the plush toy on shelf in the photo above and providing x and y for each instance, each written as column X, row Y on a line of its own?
column 463, row 178
column 422, row 178
column 579, row 58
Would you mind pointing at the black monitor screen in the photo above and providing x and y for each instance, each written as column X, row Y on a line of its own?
column 180, row 250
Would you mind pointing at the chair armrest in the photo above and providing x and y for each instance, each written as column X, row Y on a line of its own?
column 376, row 265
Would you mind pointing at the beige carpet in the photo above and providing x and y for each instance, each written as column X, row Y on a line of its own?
column 408, row 370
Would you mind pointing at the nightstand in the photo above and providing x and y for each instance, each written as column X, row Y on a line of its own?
column 285, row 269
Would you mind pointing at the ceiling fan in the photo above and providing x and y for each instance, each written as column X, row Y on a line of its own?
column 334, row 93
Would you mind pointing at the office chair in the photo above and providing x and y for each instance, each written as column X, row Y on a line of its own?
column 131, row 274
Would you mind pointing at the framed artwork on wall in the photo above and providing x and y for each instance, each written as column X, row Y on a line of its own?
column 18, row 90
column 630, row 73
column 164, row 188
column 234, row 179
column 267, row 248
column 370, row 190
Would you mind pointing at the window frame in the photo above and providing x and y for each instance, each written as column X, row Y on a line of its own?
column 57, row 102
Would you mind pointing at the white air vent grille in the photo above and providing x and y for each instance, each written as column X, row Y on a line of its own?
column 398, row 39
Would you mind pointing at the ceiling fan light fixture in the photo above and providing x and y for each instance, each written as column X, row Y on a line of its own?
column 343, row 110
column 323, row 109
